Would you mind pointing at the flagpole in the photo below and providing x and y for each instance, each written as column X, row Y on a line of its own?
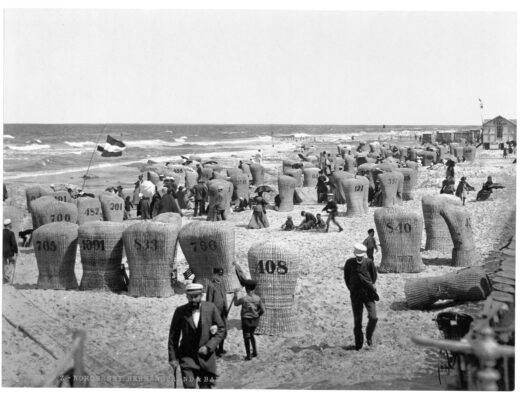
column 92, row 156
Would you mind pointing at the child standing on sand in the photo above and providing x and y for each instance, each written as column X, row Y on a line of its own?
column 370, row 244
column 252, row 310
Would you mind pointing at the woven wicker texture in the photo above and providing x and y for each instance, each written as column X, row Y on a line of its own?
column 62, row 195
column 409, row 182
column 240, row 183
column 113, row 207
column 46, row 210
column 169, row 218
column 464, row 253
column 206, row 174
column 55, row 246
column 411, row 155
column 400, row 232
column 191, row 179
column 366, row 171
column 225, row 198
column 429, row 158
column 366, row 185
column 458, row 151
column 209, row 245
column 247, row 170
column 350, row 164
column 219, row 168
column 286, row 186
column 153, row 177
column 257, row 172
column 16, row 216
column 391, row 186
column 101, row 249
column 339, row 164
column 89, row 209
column 443, row 151
column 296, row 174
column 354, row 190
column 412, row 165
column 275, row 267
column 469, row 284
column 232, row 171
column 176, row 171
column 469, row 152
column 288, row 165
column 438, row 235
column 150, row 251
column 403, row 152
column 35, row 192
column 335, row 179
column 310, row 177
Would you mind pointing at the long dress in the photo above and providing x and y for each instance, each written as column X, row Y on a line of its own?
column 259, row 218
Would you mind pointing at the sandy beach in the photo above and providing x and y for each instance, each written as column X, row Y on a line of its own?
column 127, row 337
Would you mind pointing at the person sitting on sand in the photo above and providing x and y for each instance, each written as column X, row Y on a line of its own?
column 462, row 190
column 242, row 205
column 308, row 222
column 289, row 224
column 448, row 186
column 321, row 225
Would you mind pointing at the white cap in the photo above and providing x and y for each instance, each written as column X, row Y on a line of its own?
column 7, row 221
column 360, row 250
column 194, row 287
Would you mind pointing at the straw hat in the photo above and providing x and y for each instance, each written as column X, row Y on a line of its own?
column 360, row 250
column 7, row 221
column 194, row 288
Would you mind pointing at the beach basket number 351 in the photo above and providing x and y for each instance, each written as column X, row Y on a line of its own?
column 270, row 266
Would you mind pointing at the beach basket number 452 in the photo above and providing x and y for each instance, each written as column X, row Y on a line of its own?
column 270, row 266
column 92, row 211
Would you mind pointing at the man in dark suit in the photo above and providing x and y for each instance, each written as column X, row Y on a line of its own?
column 216, row 294
column 195, row 353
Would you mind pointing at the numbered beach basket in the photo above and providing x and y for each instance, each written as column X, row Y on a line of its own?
column 55, row 247
column 150, row 251
column 275, row 267
column 101, row 249
column 89, row 209
column 35, row 192
column 438, row 235
column 46, row 210
column 113, row 207
column 207, row 246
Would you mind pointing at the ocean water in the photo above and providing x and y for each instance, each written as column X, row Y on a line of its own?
column 44, row 149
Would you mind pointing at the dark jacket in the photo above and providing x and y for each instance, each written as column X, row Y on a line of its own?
column 168, row 203
column 10, row 245
column 331, row 207
column 200, row 191
column 216, row 294
column 360, row 279
column 144, row 206
column 193, row 338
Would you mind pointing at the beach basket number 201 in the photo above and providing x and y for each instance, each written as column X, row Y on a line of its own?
column 270, row 267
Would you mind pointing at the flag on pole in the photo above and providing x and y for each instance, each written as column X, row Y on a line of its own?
column 112, row 148
column 481, row 104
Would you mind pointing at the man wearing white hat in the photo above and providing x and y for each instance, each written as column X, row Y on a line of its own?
column 195, row 353
column 10, row 252
column 360, row 276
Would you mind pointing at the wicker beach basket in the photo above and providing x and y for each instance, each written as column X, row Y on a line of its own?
column 339, row 164
column 286, row 187
column 438, row 235
column 409, row 182
column 232, row 171
column 366, row 186
column 464, row 253
column 16, row 216
column 335, row 179
column 240, row 186
column 350, row 164
column 61, row 195
column 366, row 171
column 411, row 155
column 469, row 284
column 443, row 151
column 386, row 166
column 46, row 210
column 35, row 192
column 225, row 203
column 113, row 207
column 206, row 174
column 354, row 190
column 400, row 232
column 247, row 170
column 209, row 245
column 429, row 158
column 55, row 246
column 288, row 165
column 275, row 267
column 469, row 152
column 391, row 187
column 257, row 171
column 153, row 177
column 191, row 179
column 219, row 168
column 458, row 151
column 310, row 177
column 89, row 209
column 412, row 165
column 150, row 249
column 169, row 218
column 178, row 172
column 296, row 174
column 101, row 249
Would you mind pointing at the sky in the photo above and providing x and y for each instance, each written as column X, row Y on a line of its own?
column 254, row 67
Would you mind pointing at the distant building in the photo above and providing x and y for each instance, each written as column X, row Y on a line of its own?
column 498, row 130
column 470, row 136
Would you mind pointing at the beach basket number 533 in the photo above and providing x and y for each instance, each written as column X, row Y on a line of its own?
column 270, row 267
column 146, row 245
column 212, row 245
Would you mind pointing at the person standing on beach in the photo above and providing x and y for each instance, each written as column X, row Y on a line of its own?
column 144, row 207
column 462, row 190
column 10, row 252
column 321, row 188
column 200, row 193
column 216, row 294
column 168, row 203
column 194, row 352
column 360, row 276
column 450, row 169
column 219, row 207
column 332, row 208
column 370, row 244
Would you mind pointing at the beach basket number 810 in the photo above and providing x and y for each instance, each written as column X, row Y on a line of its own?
column 400, row 228
column 46, row 245
column 270, row 267
column 212, row 245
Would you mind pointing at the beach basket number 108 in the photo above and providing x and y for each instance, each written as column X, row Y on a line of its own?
column 270, row 267
column 212, row 245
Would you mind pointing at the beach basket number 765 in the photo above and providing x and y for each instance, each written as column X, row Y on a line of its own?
column 47, row 246
column 212, row 245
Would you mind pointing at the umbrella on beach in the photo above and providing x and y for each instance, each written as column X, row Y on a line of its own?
column 450, row 157
column 209, row 162
column 264, row 189
column 302, row 157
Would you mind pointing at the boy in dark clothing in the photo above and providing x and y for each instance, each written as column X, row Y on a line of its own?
column 360, row 276
column 332, row 209
column 10, row 252
column 144, row 207
column 216, row 294
column 370, row 244
column 128, row 207
column 308, row 222
column 200, row 193
column 289, row 224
